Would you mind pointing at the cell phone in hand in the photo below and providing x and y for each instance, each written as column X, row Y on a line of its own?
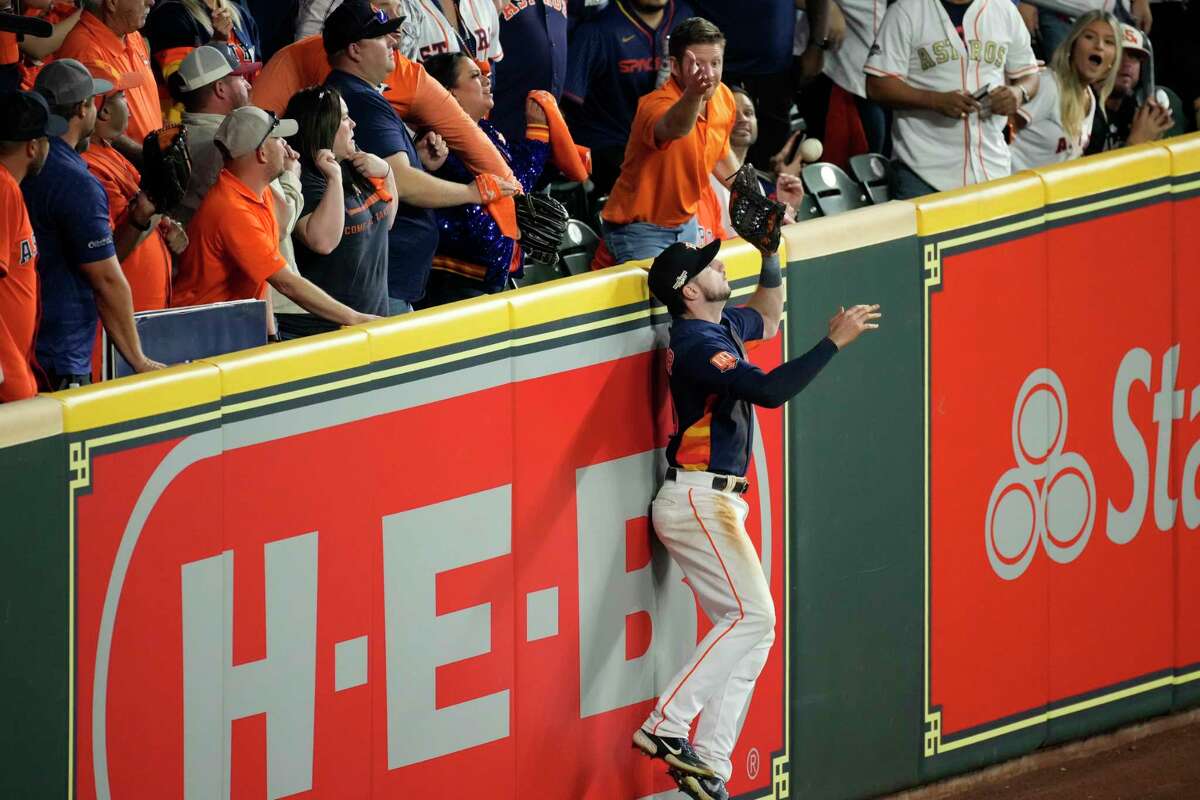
column 983, row 97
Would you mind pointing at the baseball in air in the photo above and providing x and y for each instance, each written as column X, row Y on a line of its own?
column 1161, row 98
column 810, row 150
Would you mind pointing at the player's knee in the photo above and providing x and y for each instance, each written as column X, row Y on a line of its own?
column 760, row 618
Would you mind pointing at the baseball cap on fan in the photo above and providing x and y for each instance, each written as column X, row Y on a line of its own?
column 208, row 64
column 247, row 128
column 1133, row 39
column 25, row 116
column 65, row 81
column 355, row 20
column 674, row 267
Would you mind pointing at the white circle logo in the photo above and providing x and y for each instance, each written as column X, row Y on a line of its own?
column 1050, row 496
column 752, row 763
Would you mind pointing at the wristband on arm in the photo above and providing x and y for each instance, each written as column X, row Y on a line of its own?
column 771, row 275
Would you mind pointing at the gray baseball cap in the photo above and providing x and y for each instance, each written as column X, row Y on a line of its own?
column 208, row 64
column 65, row 81
column 244, row 130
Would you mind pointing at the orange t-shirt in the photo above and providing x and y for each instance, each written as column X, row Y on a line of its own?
column 10, row 53
column 148, row 267
column 662, row 184
column 18, row 293
column 233, row 246
column 92, row 42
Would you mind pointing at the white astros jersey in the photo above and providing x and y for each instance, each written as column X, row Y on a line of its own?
column 844, row 66
column 1043, row 141
column 918, row 44
column 427, row 32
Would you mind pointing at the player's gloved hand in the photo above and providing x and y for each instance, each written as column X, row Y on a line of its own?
column 848, row 324
column 956, row 104
column 1005, row 100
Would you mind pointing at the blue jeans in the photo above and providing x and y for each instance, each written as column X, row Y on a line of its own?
column 639, row 240
column 907, row 184
column 396, row 307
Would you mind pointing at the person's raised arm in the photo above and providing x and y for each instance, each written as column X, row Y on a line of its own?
column 114, row 302
column 39, row 48
column 321, row 230
column 680, row 118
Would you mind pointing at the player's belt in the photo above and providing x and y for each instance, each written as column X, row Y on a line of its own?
column 709, row 480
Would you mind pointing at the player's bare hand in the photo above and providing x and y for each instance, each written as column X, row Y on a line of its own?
column 849, row 323
column 956, row 105
column 534, row 113
column 369, row 165
column 698, row 79
column 433, row 151
column 327, row 163
column 1005, row 100
column 789, row 190
column 147, row 365
column 1150, row 122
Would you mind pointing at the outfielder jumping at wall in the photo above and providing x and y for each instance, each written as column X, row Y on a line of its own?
column 699, row 514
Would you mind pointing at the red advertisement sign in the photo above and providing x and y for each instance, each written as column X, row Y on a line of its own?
column 388, row 595
column 1064, row 441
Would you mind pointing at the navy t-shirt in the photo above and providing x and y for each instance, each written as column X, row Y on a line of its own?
column 414, row 235
column 69, row 212
column 615, row 59
column 714, row 429
column 758, row 33
column 170, row 25
column 534, row 36
column 355, row 273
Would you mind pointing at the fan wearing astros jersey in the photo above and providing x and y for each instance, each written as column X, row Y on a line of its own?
column 699, row 514
column 953, row 71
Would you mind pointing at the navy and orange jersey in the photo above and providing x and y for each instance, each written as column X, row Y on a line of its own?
column 614, row 59
column 714, row 427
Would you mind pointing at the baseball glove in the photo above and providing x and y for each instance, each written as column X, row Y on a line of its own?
column 756, row 218
column 166, row 167
column 542, row 221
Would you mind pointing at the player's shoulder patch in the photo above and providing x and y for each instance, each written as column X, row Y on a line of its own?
column 724, row 360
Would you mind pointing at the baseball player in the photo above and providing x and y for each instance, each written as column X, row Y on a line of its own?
column 945, row 69
column 699, row 514
column 1057, row 125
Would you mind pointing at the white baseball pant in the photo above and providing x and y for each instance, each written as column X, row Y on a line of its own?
column 704, row 530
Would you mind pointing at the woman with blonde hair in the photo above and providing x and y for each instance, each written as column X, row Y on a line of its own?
column 1056, row 125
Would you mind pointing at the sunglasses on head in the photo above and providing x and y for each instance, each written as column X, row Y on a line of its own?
column 270, row 130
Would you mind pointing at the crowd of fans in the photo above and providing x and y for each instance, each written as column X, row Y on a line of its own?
column 353, row 160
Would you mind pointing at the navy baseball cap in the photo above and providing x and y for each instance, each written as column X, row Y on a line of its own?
column 674, row 267
column 354, row 20
column 25, row 116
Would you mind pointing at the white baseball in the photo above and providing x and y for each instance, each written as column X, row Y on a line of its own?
column 1161, row 98
column 810, row 150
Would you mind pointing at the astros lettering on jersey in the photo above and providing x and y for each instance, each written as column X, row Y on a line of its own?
column 427, row 32
column 918, row 44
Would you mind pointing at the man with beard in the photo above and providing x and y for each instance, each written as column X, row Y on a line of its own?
column 25, row 127
column 679, row 135
column 1131, row 115
column 615, row 58
column 233, row 252
column 77, row 262
column 699, row 514
column 107, row 33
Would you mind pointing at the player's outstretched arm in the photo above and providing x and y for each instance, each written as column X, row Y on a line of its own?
column 767, row 299
column 773, row 389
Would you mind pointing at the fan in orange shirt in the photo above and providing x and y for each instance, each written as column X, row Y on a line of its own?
column 680, row 134
column 108, row 33
column 25, row 125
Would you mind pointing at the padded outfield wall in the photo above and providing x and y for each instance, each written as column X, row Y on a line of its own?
column 383, row 559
